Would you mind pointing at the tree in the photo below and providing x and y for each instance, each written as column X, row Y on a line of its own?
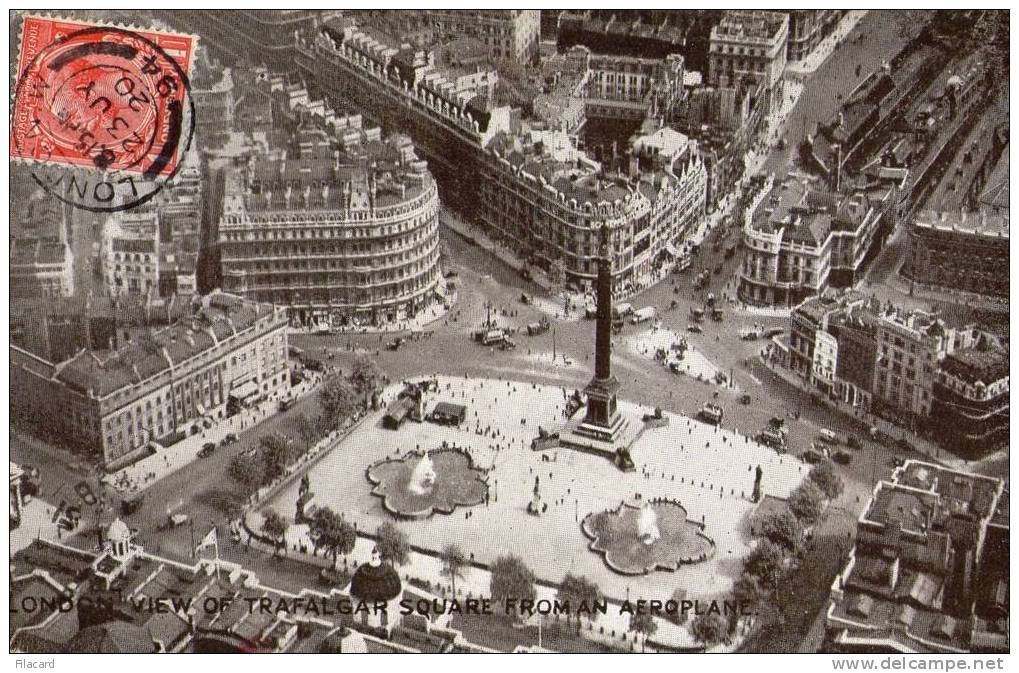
column 825, row 476
column 305, row 429
column 764, row 563
column 643, row 624
column 454, row 560
column 333, row 533
column 392, row 544
column 806, row 502
column 708, row 629
column 511, row 580
column 339, row 400
column 275, row 527
column 366, row 375
column 577, row 590
column 746, row 591
column 782, row 528
column 249, row 472
column 276, row 452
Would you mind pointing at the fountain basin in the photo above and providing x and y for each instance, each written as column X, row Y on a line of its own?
column 457, row 483
column 622, row 537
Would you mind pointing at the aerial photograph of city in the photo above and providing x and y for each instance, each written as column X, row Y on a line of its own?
column 509, row 331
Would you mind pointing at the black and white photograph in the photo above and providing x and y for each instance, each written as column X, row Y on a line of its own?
column 580, row 331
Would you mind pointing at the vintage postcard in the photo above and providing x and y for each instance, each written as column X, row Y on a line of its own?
column 510, row 330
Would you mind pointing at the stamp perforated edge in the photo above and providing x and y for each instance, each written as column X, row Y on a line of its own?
column 16, row 73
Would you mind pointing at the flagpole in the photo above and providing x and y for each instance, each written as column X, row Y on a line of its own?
column 217, row 553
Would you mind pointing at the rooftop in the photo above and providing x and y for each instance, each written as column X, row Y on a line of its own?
column 752, row 24
column 977, row 365
column 104, row 372
column 995, row 192
column 325, row 175
column 980, row 223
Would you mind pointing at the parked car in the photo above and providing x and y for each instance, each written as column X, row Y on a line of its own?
column 536, row 328
column 230, row 438
column 696, row 329
column 829, row 436
column 207, row 450
column 812, row 456
column 175, row 520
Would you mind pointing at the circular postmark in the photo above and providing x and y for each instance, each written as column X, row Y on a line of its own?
column 103, row 114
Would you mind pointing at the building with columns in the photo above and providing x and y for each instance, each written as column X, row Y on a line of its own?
column 749, row 46
column 531, row 187
column 229, row 352
column 336, row 232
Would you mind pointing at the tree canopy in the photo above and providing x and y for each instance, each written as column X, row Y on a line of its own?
column 248, row 471
column 577, row 590
column 339, row 400
column 274, row 526
column 392, row 543
column 708, row 629
column 827, row 478
column 765, row 563
column 511, row 580
column 806, row 502
column 333, row 533
column 454, row 561
column 782, row 528
column 365, row 374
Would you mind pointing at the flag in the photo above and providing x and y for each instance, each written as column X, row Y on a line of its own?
column 208, row 541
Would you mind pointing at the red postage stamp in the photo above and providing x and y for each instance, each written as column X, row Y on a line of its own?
column 102, row 97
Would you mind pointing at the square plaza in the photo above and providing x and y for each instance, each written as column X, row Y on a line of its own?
column 708, row 469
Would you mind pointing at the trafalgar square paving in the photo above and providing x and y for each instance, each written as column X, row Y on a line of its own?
column 709, row 470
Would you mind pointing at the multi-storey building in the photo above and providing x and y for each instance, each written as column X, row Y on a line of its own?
column 113, row 403
column 40, row 268
column 57, row 329
column 265, row 37
column 833, row 346
column 929, row 570
column 673, row 176
column 971, row 397
column 749, row 46
column 131, row 253
column 808, row 27
column 214, row 102
column 961, row 251
column 154, row 249
column 533, row 188
column 560, row 204
column 631, row 87
column 334, row 233
column 505, row 34
column 803, row 238
column 910, row 349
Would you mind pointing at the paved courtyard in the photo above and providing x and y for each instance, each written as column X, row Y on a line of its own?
column 707, row 469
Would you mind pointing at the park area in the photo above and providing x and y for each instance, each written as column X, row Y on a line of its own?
column 709, row 470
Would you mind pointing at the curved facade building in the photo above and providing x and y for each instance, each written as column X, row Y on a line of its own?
column 335, row 235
